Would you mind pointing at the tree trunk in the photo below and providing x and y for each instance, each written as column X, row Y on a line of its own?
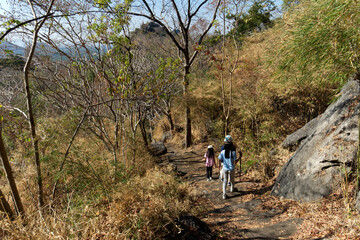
column 116, row 148
column 26, row 70
column 10, row 178
column 171, row 122
column 358, row 153
column 35, row 140
column 358, row 163
column 187, row 107
column 184, row 44
column 5, row 207
column 68, row 151
column 143, row 132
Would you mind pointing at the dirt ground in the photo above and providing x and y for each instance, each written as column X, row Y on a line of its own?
column 251, row 213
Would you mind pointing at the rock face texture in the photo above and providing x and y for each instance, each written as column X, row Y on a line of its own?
column 157, row 148
column 328, row 145
column 190, row 228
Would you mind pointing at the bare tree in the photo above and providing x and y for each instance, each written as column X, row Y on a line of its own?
column 175, row 17
column 35, row 140
column 103, row 65
column 11, row 90
column 11, row 181
column 5, row 207
column 229, row 61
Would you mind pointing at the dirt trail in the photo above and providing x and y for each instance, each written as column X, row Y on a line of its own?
column 248, row 213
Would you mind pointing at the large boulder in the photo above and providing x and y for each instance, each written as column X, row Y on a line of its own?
column 294, row 140
column 190, row 228
column 157, row 148
column 328, row 145
column 357, row 202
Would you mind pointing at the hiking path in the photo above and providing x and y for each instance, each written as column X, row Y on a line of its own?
column 248, row 213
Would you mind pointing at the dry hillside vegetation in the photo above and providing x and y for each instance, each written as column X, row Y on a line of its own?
column 111, row 187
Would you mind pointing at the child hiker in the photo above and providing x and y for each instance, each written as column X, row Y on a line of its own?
column 210, row 162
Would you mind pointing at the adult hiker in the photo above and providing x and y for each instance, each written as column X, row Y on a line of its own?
column 227, row 157
column 209, row 161
column 227, row 140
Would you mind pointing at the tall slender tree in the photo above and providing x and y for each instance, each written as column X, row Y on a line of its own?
column 35, row 140
column 11, row 181
column 177, row 24
column 5, row 207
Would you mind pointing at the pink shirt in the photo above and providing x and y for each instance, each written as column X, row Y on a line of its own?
column 209, row 161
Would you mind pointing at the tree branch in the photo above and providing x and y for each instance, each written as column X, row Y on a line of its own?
column 205, row 32
column 45, row 16
column 22, row 24
column 178, row 16
column 152, row 17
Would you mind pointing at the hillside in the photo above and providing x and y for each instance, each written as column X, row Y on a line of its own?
column 80, row 150
column 8, row 47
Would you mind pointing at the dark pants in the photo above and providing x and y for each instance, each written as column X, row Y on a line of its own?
column 208, row 172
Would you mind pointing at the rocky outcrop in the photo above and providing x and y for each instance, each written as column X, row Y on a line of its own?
column 157, row 148
column 166, row 136
column 294, row 140
column 327, row 145
column 357, row 202
column 190, row 228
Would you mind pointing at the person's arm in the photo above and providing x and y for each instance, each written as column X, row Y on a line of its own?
column 220, row 160
column 234, row 156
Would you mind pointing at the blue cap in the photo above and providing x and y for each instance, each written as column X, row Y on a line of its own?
column 228, row 139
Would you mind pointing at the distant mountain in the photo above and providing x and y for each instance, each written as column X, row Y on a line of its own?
column 7, row 48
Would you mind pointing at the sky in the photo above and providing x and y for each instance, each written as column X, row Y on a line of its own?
column 4, row 5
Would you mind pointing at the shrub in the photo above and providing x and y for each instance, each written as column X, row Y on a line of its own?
column 319, row 42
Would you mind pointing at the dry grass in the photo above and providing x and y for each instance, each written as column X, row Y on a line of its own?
column 143, row 208
column 332, row 217
column 144, row 202
column 326, row 218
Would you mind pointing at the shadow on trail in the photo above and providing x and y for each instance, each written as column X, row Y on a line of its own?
column 239, row 193
column 260, row 191
column 183, row 159
column 278, row 230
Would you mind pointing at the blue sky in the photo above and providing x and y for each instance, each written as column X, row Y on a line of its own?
column 4, row 5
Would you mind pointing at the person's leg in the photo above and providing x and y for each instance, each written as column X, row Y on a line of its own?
column 210, row 172
column 229, row 179
column 221, row 173
column 232, row 180
column 226, row 176
column 207, row 173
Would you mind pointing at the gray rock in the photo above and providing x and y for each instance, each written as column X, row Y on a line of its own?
column 166, row 136
column 314, row 171
column 278, row 230
column 294, row 139
column 190, row 228
column 357, row 203
column 157, row 148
